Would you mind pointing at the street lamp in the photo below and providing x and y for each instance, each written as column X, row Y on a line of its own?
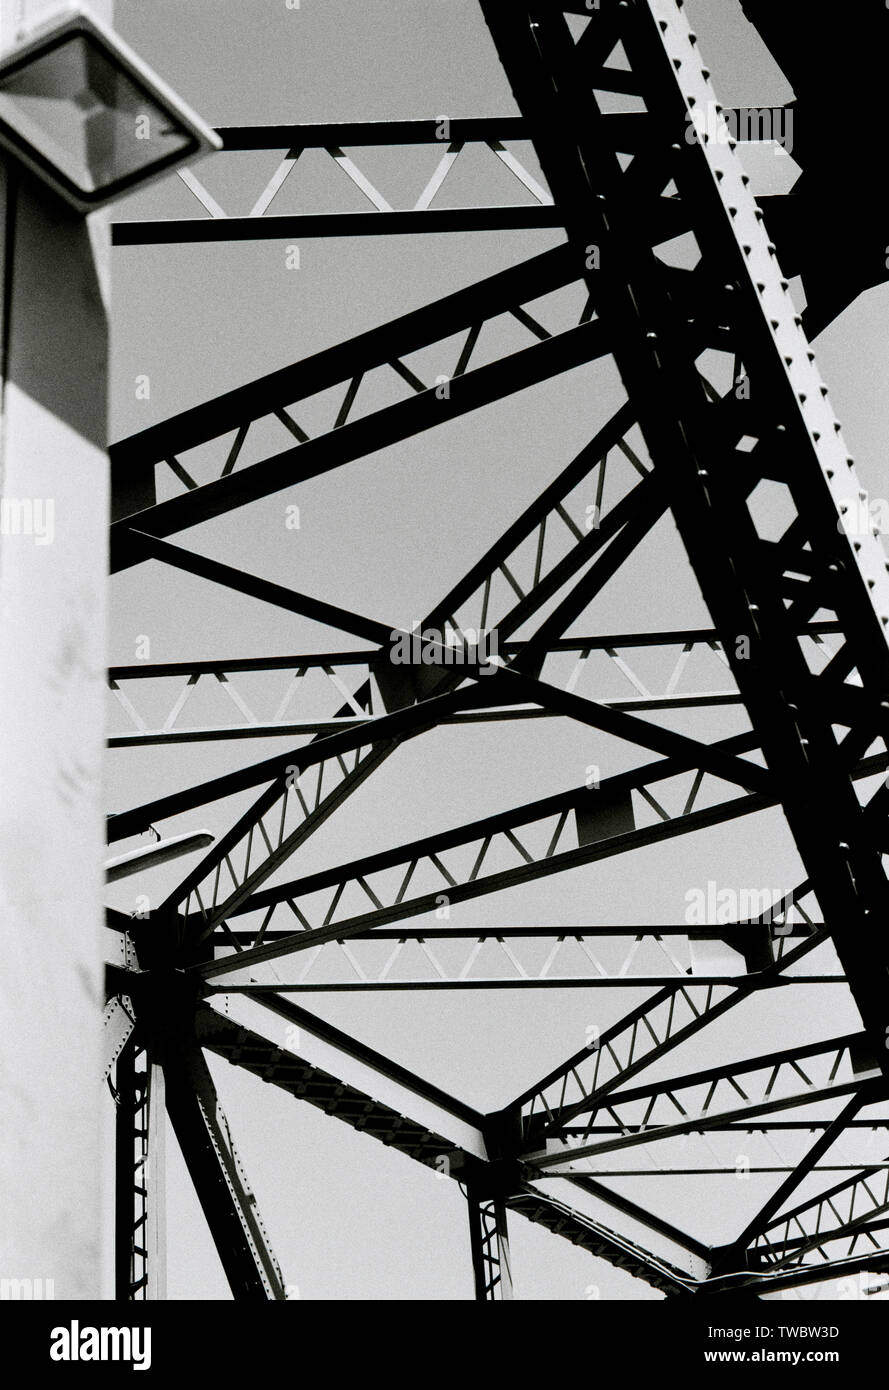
column 87, row 122
column 146, row 856
column 89, row 117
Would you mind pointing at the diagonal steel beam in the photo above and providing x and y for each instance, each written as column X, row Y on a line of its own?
column 629, row 727
column 762, row 1283
column 355, row 439
column 481, row 832
column 188, row 230
column 247, row 1049
column 850, row 1067
column 836, row 1213
column 383, row 1066
column 281, row 1067
column 825, row 1141
column 623, row 1204
column 696, row 440
column 133, row 459
column 399, row 337
column 332, row 615
column 220, row 1182
column 605, row 1244
column 647, row 1033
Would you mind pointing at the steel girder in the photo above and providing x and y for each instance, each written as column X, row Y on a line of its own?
column 468, row 312
column 816, row 728
column 446, row 136
column 770, row 1083
column 344, row 668
column 797, row 443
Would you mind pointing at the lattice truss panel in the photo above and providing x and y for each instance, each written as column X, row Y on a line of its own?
column 443, row 141
column 667, row 274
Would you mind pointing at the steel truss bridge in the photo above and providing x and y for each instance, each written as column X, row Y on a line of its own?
column 798, row 647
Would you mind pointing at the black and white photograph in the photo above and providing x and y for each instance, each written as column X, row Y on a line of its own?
column 444, row 676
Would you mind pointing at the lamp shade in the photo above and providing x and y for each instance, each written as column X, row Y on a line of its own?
column 87, row 115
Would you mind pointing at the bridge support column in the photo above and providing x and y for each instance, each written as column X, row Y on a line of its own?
column 53, row 565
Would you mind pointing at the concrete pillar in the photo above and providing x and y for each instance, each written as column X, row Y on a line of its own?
column 54, row 491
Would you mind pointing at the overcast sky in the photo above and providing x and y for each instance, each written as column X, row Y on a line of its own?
column 387, row 536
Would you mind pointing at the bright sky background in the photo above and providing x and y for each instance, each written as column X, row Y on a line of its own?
column 387, row 536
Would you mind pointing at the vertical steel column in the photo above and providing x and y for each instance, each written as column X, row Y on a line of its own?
column 125, row 1132
column 489, row 1242
column 140, row 1247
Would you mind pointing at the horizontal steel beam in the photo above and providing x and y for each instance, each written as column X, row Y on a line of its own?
column 339, row 670
column 564, row 933
column 184, row 231
column 554, row 982
column 460, row 130
column 727, row 1170
column 676, row 637
column 326, row 134
column 290, row 729
column 810, row 1126
column 397, row 724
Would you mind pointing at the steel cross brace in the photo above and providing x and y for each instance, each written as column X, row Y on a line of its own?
column 466, row 607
